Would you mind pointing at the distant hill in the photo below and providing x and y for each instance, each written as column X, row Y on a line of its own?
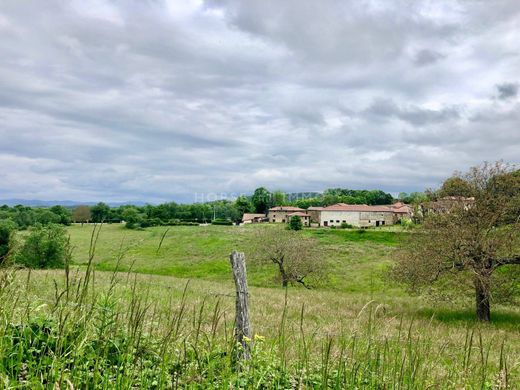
column 65, row 203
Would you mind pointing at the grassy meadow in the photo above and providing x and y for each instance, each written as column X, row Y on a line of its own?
column 165, row 320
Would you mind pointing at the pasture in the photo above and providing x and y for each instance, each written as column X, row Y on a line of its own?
column 164, row 319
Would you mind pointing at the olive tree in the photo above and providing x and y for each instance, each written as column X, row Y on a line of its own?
column 294, row 255
column 469, row 242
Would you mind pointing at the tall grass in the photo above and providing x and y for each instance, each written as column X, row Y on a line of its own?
column 99, row 330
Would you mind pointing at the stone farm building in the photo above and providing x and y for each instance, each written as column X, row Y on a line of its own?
column 253, row 218
column 359, row 215
column 281, row 213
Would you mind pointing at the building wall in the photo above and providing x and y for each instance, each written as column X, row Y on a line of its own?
column 336, row 218
column 278, row 216
column 315, row 215
column 356, row 218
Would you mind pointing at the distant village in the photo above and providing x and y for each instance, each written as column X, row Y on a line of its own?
column 356, row 215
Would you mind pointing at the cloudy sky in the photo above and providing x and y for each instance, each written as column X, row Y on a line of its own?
column 159, row 100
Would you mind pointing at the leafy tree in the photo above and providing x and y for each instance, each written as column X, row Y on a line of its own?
column 45, row 247
column 81, row 214
column 7, row 230
column 295, row 223
column 243, row 205
column 63, row 213
column 279, row 198
column 132, row 217
column 455, row 186
column 261, row 200
column 295, row 256
column 100, row 212
column 46, row 217
column 467, row 245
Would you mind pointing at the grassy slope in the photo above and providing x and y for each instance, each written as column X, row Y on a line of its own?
column 360, row 308
column 356, row 260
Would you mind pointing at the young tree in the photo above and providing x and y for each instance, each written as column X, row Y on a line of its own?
column 294, row 255
column 295, row 223
column 81, row 214
column 45, row 247
column 469, row 242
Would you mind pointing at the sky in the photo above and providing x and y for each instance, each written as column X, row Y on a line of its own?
column 161, row 100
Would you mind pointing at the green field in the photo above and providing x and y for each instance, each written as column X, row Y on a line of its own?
column 356, row 261
column 169, row 324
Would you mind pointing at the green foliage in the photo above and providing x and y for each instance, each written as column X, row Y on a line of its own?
column 100, row 212
column 262, row 200
column 7, row 229
column 44, row 247
column 295, row 223
column 345, row 225
column 223, row 222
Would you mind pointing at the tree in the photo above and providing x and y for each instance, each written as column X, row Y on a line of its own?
column 100, row 212
column 131, row 216
column 81, row 214
column 294, row 255
column 243, row 205
column 279, row 198
column 45, row 247
column 470, row 241
column 63, row 213
column 295, row 223
column 7, row 230
column 261, row 200
column 455, row 186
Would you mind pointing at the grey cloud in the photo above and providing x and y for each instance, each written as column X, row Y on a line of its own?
column 427, row 57
column 507, row 90
column 161, row 100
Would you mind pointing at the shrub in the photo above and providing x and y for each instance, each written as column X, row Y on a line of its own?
column 345, row 225
column 7, row 229
column 295, row 223
column 45, row 247
column 221, row 222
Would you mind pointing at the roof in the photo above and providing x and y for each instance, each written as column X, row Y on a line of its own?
column 315, row 208
column 249, row 216
column 297, row 214
column 402, row 210
column 285, row 208
column 358, row 208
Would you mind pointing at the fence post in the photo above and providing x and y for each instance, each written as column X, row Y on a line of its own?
column 242, row 325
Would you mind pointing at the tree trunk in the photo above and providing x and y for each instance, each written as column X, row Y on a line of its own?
column 242, row 324
column 482, row 298
column 283, row 275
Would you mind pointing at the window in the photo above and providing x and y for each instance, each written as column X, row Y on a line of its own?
column 331, row 221
column 344, row 221
column 337, row 221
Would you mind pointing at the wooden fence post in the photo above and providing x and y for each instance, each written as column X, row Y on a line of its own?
column 242, row 325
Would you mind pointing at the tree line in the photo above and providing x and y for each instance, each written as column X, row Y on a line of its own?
column 171, row 213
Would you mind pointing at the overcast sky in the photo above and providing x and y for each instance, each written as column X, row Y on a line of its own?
column 159, row 100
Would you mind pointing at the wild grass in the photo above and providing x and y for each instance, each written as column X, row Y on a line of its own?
column 85, row 328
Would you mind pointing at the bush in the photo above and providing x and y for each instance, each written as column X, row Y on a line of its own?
column 345, row 225
column 221, row 222
column 295, row 223
column 7, row 229
column 45, row 247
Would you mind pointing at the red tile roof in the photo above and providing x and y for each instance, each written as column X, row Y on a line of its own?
column 285, row 208
column 250, row 217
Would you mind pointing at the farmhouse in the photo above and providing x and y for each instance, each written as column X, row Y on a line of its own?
column 253, row 218
column 281, row 213
column 306, row 219
column 356, row 215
